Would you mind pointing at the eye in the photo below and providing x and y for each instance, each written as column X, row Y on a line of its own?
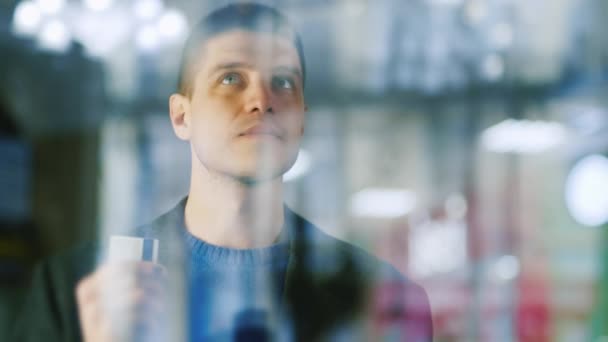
column 283, row 82
column 231, row 79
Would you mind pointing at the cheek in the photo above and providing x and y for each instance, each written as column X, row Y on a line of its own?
column 214, row 113
column 291, row 99
column 218, row 100
column 293, row 104
column 294, row 122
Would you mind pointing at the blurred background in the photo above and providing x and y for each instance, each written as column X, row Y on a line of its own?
column 464, row 141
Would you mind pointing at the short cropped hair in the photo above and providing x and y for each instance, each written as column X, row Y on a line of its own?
column 251, row 17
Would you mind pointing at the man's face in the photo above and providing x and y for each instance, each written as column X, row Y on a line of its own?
column 245, row 116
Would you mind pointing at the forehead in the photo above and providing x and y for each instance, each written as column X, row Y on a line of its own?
column 258, row 48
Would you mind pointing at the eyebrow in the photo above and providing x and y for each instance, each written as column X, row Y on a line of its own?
column 235, row 65
column 231, row 65
column 289, row 69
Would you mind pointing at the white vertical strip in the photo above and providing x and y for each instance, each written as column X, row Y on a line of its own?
column 119, row 175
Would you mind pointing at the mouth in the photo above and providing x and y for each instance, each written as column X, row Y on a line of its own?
column 261, row 131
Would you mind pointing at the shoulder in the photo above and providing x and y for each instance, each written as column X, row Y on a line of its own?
column 385, row 288
column 61, row 272
column 325, row 247
column 164, row 225
column 73, row 263
column 49, row 308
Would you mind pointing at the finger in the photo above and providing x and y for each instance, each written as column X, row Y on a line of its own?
column 130, row 266
column 109, row 299
column 149, row 269
column 125, row 273
column 115, row 286
column 85, row 289
column 152, row 297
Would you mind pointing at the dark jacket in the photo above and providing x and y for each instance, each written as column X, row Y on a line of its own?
column 331, row 287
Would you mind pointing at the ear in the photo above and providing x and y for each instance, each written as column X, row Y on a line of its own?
column 179, row 112
column 303, row 125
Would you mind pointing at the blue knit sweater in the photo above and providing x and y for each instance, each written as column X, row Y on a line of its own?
column 236, row 291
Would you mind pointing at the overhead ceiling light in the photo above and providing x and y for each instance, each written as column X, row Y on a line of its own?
column 383, row 203
column 456, row 206
column 172, row 25
column 586, row 191
column 51, row 6
column 98, row 5
column 445, row 2
column 493, row 67
column 437, row 247
column 147, row 38
column 300, row 167
column 55, row 36
column 506, row 268
column 588, row 120
column 355, row 9
column 501, row 36
column 26, row 19
column 476, row 11
column 102, row 33
column 147, row 9
column 523, row 136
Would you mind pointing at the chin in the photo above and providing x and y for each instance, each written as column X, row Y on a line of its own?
column 261, row 176
column 258, row 172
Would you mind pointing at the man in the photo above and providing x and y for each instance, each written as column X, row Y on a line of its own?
column 253, row 269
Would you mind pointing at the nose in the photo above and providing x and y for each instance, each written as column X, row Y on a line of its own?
column 259, row 98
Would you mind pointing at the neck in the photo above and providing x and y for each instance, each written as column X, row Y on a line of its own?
column 224, row 211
